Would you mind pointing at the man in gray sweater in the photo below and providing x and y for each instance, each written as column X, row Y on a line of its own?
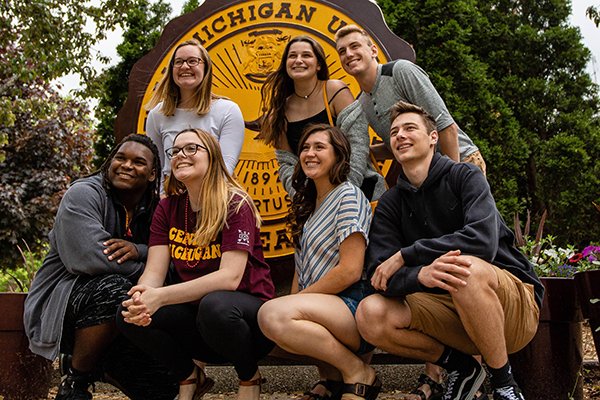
column 400, row 80
column 98, row 248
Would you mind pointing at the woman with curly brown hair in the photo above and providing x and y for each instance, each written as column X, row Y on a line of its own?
column 330, row 221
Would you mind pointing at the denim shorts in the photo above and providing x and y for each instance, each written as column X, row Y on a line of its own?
column 352, row 296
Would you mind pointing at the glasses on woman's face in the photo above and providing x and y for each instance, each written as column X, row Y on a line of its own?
column 190, row 61
column 186, row 151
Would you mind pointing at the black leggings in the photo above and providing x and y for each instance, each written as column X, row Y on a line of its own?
column 221, row 328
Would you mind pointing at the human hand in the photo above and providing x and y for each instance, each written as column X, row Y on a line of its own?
column 141, row 306
column 385, row 270
column 120, row 249
column 446, row 272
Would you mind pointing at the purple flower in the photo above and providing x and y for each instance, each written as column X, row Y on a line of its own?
column 591, row 253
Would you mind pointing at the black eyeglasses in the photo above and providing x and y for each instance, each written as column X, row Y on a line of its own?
column 190, row 61
column 187, row 150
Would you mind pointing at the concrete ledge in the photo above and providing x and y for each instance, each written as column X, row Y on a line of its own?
column 299, row 378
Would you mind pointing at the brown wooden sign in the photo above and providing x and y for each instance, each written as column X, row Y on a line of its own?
column 245, row 40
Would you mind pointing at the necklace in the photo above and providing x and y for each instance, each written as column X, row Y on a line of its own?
column 127, row 228
column 322, row 197
column 311, row 92
column 185, row 225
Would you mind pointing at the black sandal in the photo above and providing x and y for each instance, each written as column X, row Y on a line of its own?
column 437, row 390
column 367, row 392
column 310, row 395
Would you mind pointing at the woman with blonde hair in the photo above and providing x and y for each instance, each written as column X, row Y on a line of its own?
column 299, row 93
column 183, row 99
column 208, row 228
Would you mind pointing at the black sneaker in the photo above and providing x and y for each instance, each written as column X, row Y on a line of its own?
column 75, row 387
column 508, row 393
column 463, row 384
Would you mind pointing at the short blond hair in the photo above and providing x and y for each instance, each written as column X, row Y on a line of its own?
column 348, row 29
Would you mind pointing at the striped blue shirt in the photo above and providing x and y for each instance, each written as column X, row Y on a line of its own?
column 344, row 211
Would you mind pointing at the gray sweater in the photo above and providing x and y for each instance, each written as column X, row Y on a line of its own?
column 403, row 80
column 87, row 216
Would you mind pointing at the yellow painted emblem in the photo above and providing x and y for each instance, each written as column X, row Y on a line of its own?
column 245, row 42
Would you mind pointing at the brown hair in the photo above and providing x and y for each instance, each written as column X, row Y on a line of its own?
column 279, row 86
column 305, row 198
column 168, row 92
column 403, row 107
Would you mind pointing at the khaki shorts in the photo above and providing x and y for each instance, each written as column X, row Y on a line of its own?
column 436, row 316
column 477, row 160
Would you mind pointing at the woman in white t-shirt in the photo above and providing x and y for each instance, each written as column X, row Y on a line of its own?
column 183, row 99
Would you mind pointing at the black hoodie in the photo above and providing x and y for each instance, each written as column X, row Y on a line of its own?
column 452, row 210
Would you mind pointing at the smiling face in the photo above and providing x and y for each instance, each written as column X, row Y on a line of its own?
column 317, row 156
column 357, row 56
column 186, row 77
column 189, row 168
column 301, row 62
column 132, row 167
column 410, row 139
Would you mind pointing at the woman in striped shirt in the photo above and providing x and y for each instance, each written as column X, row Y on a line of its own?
column 330, row 220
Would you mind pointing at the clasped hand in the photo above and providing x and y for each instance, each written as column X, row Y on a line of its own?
column 142, row 304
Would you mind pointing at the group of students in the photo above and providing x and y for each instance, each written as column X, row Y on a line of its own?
column 156, row 265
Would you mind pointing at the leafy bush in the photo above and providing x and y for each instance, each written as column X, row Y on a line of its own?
column 46, row 143
column 18, row 279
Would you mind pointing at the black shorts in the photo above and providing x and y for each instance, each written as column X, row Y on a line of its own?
column 93, row 301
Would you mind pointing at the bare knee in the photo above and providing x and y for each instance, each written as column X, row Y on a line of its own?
column 370, row 317
column 273, row 317
column 482, row 281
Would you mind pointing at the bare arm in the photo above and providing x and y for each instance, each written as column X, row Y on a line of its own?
column 347, row 271
column 449, row 142
column 343, row 96
column 146, row 299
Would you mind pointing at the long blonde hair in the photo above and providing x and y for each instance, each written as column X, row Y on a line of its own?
column 217, row 192
column 169, row 94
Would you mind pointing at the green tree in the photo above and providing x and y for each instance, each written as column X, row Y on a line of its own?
column 593, row 14
column 53, row 34
column 45, row 139
column 47, row 143
column 143, row 25
column 189, row 6
column 512, row 73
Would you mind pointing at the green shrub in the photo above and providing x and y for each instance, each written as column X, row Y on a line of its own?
column 18, row 279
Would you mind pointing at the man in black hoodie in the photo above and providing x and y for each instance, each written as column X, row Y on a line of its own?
column 450, row 281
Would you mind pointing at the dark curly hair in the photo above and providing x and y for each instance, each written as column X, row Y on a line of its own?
column 152, row 192
column 305, row 198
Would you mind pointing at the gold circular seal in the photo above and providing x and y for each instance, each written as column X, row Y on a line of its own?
column 245, row 42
